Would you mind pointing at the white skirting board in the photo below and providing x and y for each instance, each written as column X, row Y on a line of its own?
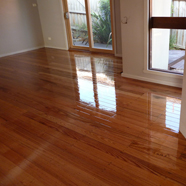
column 56, row 47
column 21, row 51
column 152, row 80
column 30, row 49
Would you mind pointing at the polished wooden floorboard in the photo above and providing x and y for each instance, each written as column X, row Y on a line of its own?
column 69, row 118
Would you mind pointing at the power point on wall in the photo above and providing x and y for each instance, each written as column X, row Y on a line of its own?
column 49, row 38
column 34, row 4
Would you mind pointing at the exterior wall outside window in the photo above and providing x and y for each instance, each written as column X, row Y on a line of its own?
column 160, row 37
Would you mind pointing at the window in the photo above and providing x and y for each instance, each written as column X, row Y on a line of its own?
column 167, row 35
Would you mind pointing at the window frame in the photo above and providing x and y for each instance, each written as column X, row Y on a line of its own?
column 162, row 23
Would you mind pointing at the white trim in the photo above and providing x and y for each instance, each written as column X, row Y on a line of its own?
column 152, row 80
column 64, row 25
column 56, row 47
column 21, row 51
column 146, row 34
column 165, row 74
column 183, row 105
column 114, row 25
column 118, row 55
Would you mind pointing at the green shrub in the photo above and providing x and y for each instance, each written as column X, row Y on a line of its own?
column 83, row 26
column 101, row 23
column 172, row 43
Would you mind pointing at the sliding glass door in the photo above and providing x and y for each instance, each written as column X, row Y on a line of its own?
column 89, row 25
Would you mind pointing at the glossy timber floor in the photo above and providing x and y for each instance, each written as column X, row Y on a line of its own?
column 69, row 118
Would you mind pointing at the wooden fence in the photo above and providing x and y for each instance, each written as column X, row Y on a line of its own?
column 78, row 13
column 179, row 10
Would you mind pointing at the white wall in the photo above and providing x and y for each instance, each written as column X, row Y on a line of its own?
column 20, row 28
column 134, row 45
column 53, row 23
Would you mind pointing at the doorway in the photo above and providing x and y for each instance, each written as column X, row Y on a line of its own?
column 90, row 25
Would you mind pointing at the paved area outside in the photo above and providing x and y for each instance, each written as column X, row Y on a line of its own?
column 177, row 60
column 96, row 45
column 175, row 54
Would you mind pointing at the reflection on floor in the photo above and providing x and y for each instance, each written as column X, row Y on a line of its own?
column 95, row 86
column 69, row 118
column 173, row 108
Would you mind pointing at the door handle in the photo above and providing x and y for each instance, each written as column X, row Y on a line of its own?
column 66, row 15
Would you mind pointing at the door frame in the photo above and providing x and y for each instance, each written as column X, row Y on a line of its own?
column 89, row 26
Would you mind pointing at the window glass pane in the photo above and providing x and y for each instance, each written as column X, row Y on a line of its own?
column 101, row 24
column 168, row 8
column 78, row 22
column 178, row 9
column 168, row 50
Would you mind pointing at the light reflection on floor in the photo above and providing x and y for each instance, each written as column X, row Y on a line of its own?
column 96, row 87
column 164, row 112
column 173, row 107
column 96, row 84
column 86, row 91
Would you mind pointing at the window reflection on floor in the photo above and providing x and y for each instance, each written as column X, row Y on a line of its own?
column 86, row 87
column 173, row 107
column 168, row 114
column 96, row 82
